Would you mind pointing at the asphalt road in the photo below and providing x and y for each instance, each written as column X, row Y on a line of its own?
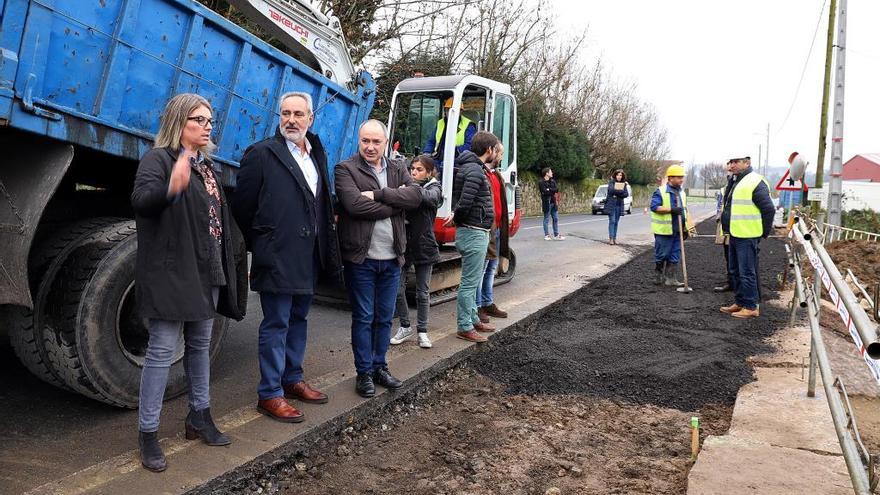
column 46, row 433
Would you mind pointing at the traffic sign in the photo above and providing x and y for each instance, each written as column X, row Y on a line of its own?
column 817, row 195
column 786, row 184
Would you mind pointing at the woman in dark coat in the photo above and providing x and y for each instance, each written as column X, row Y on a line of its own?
column 618, row 189
column 421, row 251
column 185, row 271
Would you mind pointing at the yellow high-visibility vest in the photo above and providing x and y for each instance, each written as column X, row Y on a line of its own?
column 463, row 124
column 745, row 217
column 661, row 223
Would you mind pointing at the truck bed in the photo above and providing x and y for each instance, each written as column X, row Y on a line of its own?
column 98, row 73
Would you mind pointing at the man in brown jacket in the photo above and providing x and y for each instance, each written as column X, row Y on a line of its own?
column 373, row 193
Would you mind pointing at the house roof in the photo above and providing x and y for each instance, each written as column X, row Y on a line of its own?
column 871, row 157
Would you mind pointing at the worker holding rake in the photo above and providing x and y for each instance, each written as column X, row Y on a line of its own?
column 668, row 215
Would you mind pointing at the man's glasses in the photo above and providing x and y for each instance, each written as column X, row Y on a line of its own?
column 203, row 121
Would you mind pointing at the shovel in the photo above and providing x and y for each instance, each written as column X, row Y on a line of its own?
column 687, row 288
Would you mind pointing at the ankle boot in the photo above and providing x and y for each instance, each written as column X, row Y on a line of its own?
column 152, row 457
column 658, row 273
column 200, row 424
column 670, row 278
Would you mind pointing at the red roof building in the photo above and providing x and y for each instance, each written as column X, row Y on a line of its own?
column 864, row 167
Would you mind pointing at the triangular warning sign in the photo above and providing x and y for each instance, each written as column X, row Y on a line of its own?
column 786, row 184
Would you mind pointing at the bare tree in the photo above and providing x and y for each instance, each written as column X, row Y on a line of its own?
column 714, row 175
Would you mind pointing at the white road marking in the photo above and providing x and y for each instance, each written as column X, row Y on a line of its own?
column 568, row 223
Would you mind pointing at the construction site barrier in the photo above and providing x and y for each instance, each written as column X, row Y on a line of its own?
column 859, row 462
column 833, row 233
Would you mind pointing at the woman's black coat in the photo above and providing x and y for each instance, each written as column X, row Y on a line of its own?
column 615, row 197
column 172, row 271
column 421, row 245
column 282, row 220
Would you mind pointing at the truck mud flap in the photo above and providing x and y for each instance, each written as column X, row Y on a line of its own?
column 30, row 171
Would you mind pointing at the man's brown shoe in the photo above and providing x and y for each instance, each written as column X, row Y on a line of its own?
column 471, row 336
column 483, row 327
column 278, row 409
column 747, row 313
column 494, row 311
column 302, row 391
column 482, row 315
column 733, row 308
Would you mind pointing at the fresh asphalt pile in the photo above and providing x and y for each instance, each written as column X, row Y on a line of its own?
column 624, row 338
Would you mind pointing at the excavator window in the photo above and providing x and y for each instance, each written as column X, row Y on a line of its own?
column 416, row 116
column 504, row 127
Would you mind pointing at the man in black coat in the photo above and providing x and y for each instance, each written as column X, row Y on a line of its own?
column 283, row 205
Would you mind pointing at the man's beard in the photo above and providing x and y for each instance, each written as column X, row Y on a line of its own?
column 293, row 135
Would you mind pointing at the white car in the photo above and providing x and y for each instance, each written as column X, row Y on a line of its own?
column 602, row 194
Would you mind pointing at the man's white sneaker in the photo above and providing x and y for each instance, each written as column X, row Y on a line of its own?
column 560, row 237
column 548, row 238
column 402, row 334
column 424, row 341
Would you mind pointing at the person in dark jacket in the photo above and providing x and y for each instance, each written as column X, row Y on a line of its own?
column 618, row 190
column 747, row 217
column 421, row 252
column 721, row 238
column 472, row 214
column 283, row 204
column 185, row 271
column 549, row 195
column 373, row 193
column 499, row 239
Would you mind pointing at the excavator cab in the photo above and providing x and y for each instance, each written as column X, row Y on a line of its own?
column 418, row 105
column 414, row 123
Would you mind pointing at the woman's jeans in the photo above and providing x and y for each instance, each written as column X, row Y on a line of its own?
column 164, row 338
column 552, row 212
column 613, row 219
column 423, row 298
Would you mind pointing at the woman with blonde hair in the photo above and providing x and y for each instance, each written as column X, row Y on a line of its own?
column 185, row 271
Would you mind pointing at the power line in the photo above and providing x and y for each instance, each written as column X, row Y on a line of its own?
column 804, row 70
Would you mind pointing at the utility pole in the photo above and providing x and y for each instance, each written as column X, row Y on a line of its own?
column 759, row 156
column 823, row 120
column 767, row 152
column 835, row 185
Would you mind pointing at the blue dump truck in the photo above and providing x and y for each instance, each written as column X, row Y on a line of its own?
column 82, row 86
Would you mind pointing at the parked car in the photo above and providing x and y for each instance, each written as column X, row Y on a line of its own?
column 602, row 194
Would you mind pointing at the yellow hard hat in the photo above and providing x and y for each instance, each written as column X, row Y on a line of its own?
column 675, row 171
column 448, row 103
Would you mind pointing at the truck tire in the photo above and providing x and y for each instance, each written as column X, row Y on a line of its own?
column 26, row 325
column 99, row 336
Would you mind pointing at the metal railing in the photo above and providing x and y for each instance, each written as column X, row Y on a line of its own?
column 859, row 462
column 833, row 233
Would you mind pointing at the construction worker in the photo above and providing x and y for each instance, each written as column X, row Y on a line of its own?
column 747, row 217
column 668, row 204
column 436, row 143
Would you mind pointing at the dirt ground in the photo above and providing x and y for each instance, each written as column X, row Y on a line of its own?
column 594, row 398
column 862, row 257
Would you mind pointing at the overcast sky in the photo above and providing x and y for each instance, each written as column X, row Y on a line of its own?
column 719, row 72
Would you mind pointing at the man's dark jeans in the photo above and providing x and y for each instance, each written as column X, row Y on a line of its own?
column 744, row 267
column 372, row 291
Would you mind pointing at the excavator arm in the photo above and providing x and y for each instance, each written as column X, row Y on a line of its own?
column 314, row 36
